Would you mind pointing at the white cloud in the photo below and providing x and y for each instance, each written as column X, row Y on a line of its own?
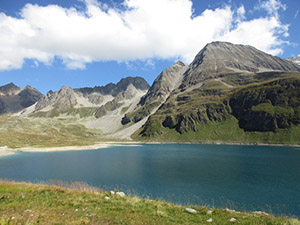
column 142, row 30
column 272, row 7
column 241, row 13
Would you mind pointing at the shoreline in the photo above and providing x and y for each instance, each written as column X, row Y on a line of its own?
column 5, row 151
column 226, row 143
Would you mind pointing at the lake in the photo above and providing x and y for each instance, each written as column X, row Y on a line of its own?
column 247, row 178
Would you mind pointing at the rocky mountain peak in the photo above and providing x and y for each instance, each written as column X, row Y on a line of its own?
column 28, row 96
column 180, row 63
column 14, row 99
column 137, row 82
column 28, row 87
column 9, row 89
column 61, row 100
column 115, row 89
column 219, row 58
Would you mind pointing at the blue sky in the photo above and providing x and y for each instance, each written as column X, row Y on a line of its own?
column 47, row 44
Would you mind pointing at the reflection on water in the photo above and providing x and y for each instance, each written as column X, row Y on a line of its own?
column 242, row 177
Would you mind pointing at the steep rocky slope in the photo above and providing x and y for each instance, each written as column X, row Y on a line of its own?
column 163, row 85
column 14, row 99
column 255, row 91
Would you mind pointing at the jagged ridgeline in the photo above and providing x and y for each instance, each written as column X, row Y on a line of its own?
column 88, row 102
column 231, row 93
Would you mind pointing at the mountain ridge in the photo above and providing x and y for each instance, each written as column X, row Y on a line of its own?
column 218, row 58
column 209, row 85
column 226, row 87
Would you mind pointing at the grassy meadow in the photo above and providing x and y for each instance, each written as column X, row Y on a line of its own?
column 24, row 203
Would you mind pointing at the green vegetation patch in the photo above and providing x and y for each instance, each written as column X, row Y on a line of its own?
column 22, row 203
column 227, row 131
column 82, row 112
column 273, row 110
column 125, row 109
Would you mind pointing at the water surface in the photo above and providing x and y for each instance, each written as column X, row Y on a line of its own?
column 241, row 177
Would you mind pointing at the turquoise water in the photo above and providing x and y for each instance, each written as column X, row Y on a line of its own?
column 246, row 178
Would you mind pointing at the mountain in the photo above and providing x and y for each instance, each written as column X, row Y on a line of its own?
column 220, row 58
column 9, row 89
column 163, row 85
column 14, row 99
column 101, row 107
column 229, row 93
column 295, row 60
column 70, row 101
column 115, row 89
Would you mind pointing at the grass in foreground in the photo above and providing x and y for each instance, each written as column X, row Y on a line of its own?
column 22, row 203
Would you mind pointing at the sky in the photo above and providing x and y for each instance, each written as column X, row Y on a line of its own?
column 85, row 43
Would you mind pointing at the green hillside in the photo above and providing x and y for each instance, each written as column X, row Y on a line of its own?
column 259, row 112
column 28, row 204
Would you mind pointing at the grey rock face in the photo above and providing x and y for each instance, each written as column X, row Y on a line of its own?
column 219, row 58
column 115, row 89
column 96, row 98
column 14, row 99
column 63, row 99
column 165, row 83
column 28, row 96
column 9, row 89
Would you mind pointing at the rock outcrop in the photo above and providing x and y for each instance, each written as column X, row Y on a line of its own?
column 268, row 107
column 14, row 99
column 163, row 85
column 61, row 100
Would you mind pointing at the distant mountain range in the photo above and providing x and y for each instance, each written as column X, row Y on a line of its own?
column 229, row 93
column 295, row 60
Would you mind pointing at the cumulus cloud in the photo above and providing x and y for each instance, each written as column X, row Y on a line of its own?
column 139, row 29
